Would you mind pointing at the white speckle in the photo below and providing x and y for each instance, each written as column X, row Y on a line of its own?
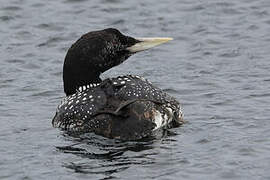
column 84, row 99
column 77, row 101
column 114, row 83
column 70, row 102
column 84, row 88
column 71, row 107
column 90, row 96
column 122, row 82
column 170, row 110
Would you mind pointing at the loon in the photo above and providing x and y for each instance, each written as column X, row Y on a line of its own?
column 126, row 107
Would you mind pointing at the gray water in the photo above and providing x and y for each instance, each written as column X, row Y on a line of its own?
column 217, row 67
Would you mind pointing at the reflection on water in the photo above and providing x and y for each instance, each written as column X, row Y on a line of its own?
column 111, row 155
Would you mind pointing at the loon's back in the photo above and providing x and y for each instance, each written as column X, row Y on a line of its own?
column 126, row 107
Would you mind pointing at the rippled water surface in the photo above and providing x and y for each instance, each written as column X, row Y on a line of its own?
column 217, row 67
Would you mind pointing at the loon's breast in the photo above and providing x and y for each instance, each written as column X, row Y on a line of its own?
column 127, row 107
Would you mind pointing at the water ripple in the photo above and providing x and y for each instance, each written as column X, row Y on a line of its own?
column 217, row 67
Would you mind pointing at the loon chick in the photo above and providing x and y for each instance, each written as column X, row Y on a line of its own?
column 126, row 107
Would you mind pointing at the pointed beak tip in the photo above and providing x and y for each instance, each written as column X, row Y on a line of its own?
column 164, row 40
column 155, row 39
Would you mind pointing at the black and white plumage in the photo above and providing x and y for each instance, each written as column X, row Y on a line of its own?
column 126, row 107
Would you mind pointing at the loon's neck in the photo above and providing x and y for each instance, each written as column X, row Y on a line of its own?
column 78, row 74
column 72, row 82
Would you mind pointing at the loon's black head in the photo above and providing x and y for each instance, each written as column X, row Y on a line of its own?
column 98, row 51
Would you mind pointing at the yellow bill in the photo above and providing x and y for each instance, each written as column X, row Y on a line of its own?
column 147, row 43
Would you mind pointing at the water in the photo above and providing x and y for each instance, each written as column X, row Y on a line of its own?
column 217, row 67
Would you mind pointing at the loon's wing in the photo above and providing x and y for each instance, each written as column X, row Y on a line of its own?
column 136, row 87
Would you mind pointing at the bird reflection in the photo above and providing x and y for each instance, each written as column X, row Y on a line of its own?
column 99, row 155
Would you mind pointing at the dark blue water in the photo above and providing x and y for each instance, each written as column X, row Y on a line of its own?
column 217, row 66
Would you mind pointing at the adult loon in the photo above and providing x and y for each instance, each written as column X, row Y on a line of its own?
column 126, row 107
